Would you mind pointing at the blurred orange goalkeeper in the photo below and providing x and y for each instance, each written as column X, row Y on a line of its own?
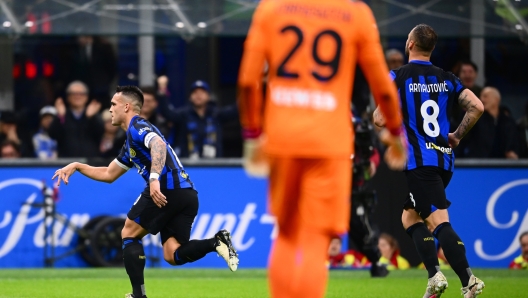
column 302, row 133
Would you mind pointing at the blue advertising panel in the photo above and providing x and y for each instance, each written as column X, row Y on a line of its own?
column 489, row 211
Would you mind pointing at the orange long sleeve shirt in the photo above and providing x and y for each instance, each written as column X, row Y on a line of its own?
column 311, row 48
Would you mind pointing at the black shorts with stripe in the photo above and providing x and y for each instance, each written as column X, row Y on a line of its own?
column 427, row 190
column 175, row 219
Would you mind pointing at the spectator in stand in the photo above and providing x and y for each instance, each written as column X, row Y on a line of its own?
column 348, row 259
column 521, row 262
column 495, row 134
column 9, row 130
column 9, row 149
column 467, row 72
column 522, row 126
column 390, row 253
column 395, row 58
column 149, row 110
column 199, row 125
column 78, row 129
column 8, row 127
column 45, row 147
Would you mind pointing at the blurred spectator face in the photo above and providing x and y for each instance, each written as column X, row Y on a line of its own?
column 199, row 97
column 85, row 40
column 107, row 119
column 490, row 99
column 394, row 60
column 6, row 127
column 335, row 247
column 45, row 121
column 150, row 104
column 524, row 246
column 387, row 245
column 9, row 151
column 468, row 75
column 77, row 96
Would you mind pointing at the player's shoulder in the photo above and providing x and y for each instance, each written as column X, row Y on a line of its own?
column 140, row 126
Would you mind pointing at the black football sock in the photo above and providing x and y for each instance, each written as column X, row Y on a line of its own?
column 134, row 257
column 425, row 245
column 194, row 250
column 454, row 251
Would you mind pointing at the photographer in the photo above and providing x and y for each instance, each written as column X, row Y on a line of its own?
column 363, row 234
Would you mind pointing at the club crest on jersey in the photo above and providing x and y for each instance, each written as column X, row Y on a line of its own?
column 132, row 152
column 184, row 175
column 141, row 131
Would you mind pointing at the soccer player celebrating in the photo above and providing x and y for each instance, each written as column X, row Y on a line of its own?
column 169, row 202
column 427, row 94
column 304, row 134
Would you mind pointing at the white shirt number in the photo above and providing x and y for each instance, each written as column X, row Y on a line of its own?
column 430, row 119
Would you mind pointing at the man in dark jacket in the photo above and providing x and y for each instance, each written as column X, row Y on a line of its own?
column 78, row 128
column 198, row 126
column 495, row 134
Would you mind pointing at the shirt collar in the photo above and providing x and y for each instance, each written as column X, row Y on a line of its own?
column 421, row 62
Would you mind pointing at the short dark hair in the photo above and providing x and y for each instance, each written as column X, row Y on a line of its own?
column 148, row 90
column 525, row 233
column 470, row 63
column 132, row 92
column 425, row 37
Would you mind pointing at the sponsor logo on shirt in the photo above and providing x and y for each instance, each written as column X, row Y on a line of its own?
column 141, row 131
column 445, row 150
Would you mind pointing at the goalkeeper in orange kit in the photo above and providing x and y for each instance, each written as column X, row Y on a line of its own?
column 302, row 133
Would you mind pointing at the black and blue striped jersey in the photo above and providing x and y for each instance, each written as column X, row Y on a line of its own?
column 427, row 94
column 136, row 153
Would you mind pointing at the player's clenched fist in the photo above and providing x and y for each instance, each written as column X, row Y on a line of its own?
column 396, row 154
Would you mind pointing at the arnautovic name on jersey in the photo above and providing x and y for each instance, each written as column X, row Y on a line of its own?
column 436, row 87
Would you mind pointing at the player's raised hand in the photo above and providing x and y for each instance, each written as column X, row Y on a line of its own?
column 453, row 140
column 396, row 154
column 155, row 193
column 65, row 173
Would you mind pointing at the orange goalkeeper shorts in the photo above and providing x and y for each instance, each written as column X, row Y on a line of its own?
column 314, row 192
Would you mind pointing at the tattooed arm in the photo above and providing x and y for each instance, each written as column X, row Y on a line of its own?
column 158, row 154
column 474, row 109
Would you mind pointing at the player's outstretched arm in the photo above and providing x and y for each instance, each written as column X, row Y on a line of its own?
column 158, row 153
column 107, row 174
column 474, row 109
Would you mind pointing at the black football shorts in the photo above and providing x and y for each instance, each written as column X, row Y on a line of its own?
column 427, row 190
column 175, row 219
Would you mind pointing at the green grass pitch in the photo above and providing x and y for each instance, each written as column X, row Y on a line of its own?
column 243, row 283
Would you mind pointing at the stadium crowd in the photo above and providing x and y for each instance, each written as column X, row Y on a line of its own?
column 80, row 125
